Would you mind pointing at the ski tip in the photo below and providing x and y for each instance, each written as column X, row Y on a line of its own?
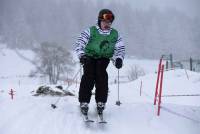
column 89, row 121
column 102, row 122
column 86, row 119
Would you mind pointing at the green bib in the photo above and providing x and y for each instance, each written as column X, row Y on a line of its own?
column 101, row 46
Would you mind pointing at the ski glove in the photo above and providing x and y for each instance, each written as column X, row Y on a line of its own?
column 118, row 63
column 83, row 59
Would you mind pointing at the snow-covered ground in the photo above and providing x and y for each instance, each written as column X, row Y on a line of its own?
column 27, row 114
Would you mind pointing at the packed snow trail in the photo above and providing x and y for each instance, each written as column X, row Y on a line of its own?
column 27, row 114
column 34, row 115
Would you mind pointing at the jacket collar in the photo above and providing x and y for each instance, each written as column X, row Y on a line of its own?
column 106, row 32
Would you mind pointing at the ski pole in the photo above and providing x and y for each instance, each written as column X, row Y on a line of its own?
column 53, row 105
column 118, row 101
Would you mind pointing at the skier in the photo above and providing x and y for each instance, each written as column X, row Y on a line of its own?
column 95, row 47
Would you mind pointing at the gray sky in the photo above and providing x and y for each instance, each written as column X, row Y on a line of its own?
column 25, row 21
column 191, row 7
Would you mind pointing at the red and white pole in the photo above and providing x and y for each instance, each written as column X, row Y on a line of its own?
column 157, row 82
column 160, row 92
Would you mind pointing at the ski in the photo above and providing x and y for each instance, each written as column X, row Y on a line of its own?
column 86, row 119
column 101, row 119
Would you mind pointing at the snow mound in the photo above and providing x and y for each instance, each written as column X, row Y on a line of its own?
column 52, row 91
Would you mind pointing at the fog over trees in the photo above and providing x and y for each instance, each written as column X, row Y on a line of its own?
column 52, row 61
column 148, row 32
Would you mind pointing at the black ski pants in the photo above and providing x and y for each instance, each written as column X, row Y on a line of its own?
column 94, row 74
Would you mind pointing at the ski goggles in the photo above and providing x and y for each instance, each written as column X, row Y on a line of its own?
column 107, row 17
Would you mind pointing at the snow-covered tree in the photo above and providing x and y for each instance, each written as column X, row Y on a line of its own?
column 135, row 72
column 53, row 61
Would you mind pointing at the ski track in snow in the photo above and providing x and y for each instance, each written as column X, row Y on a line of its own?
column 27, row 114
column 34, row 115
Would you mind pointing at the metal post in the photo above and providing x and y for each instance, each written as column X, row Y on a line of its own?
column 191, row 64
column 167, row 65
column 141, row 88
column 118, row 101
column 171, row 60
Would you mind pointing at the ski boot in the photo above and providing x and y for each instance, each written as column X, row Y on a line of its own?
column 84, row 108
column 100, row 108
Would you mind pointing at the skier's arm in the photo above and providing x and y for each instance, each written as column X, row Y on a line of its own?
column 81, row 43
column 119, row 51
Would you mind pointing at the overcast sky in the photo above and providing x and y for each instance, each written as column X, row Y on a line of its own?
column 191, row 7
column 163, row 24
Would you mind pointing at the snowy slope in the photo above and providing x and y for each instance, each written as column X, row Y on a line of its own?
column 11, row 63
column 137, row 114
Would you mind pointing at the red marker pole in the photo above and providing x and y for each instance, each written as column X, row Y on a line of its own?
column 11, row 94
column 157, row 82
column 160, row 93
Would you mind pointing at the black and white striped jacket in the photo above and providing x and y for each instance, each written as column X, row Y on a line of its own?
column 83, row 39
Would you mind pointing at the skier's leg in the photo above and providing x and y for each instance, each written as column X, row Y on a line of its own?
column 101, row 84
column 87, row 81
